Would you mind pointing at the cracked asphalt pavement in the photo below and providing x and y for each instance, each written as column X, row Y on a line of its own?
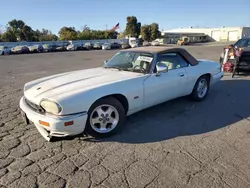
column 176, row 144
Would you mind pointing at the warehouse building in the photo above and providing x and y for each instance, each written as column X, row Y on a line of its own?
column 172, row 38
column 212, row 34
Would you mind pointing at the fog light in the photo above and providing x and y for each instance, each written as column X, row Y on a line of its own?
column 44, row 123
column 68, row 123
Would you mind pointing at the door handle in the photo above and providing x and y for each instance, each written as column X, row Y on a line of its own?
column 181, row 74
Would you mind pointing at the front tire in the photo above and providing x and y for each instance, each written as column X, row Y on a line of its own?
column 201, row 89
column 106, row 116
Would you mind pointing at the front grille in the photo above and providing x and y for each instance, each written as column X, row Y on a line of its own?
column 34, row 106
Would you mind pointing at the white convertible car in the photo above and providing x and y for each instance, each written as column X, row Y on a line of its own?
column 96, row 101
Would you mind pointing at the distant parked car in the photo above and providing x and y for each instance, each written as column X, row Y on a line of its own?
column 5, row 50
column 35, row 48
column 61, row 48
column 87, row 46
column 106, row 46
column 115, row 45
column 74, row 47
column 146, row 43
column 20, row 50
column 125, row 46
column 97, row 46
column 155, row 43
column 241, row 44
column 49, row 47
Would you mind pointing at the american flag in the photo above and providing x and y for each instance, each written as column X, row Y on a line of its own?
column 116, row 27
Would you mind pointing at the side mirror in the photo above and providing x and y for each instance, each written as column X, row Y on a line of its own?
column 161, row 68
column 105, row 62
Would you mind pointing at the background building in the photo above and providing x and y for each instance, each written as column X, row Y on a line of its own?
column 209, row 34
column 172, row 37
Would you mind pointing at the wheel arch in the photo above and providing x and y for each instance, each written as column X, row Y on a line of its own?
column 121, row 98
column 208, row 75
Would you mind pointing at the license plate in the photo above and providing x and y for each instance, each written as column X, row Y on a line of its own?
column 25, row 119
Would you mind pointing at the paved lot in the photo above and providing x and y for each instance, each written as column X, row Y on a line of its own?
column 176, row 144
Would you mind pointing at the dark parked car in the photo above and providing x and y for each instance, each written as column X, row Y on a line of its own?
column 115, row 45
column 5, row 50
column 240, row 44
column 238, row 55
column 49, row 47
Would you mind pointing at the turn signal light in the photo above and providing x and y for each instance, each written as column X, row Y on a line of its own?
column 68, row 123
column 44, row 123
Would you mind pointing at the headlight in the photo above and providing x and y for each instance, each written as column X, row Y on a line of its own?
column 51, row 106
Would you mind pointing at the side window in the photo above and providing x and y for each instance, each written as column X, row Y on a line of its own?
column 247, row 44
column 172, row 60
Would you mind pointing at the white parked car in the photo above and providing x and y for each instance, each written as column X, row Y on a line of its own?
column 97, row 100
column 155, row 43
column 5, row 50
column 106, row 46
column 73, row 47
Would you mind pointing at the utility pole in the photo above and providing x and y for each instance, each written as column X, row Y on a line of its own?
column 106, row 27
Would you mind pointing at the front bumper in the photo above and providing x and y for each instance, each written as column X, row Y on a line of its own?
column 56, row 126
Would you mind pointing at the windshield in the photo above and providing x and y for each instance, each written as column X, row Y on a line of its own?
column 242, row 43
column 131, row 61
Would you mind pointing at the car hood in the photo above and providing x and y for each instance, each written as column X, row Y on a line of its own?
column 246, row 49
column 57, row 86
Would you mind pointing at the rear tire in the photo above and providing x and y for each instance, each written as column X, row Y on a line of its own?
column 106, row 116
column 201, row 89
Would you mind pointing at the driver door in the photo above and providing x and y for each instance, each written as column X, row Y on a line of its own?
column 168, row 85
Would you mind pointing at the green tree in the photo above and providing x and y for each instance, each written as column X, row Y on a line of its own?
column 85, row 34
column 46, row 35
column 27, row 33
column 20, row 30
column 54, row 37
column 132, row 27
column 154, row 31
column 8, row 36
column 16, row 26
column 68, row 33
column 145, row 32
column 88, row 34
column 138, row 29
